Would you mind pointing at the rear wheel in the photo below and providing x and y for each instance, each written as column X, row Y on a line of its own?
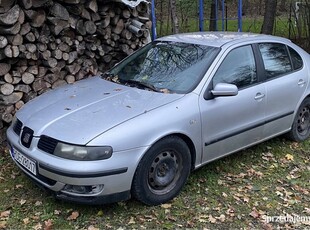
column 301, row 125
column 162, row 172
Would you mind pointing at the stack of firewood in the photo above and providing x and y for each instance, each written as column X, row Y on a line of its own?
column 47, row 43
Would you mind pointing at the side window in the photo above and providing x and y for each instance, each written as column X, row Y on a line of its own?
column 296, row 59
column 275, row 58
column 238, row 68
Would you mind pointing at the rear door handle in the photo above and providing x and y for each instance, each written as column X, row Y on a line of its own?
column 301, row 83
column 259, row 96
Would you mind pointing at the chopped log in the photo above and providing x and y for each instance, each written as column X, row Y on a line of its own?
column 10, row 99
column 22, row 88
column 138, row 24
column 3, row 42
column 75, row 9
column 58, row 25
column 10, row 17
column 136, row 31
column 21, row 18
column 16, row 79
column 7, row 89
column 6, row 5
column 85, row 14
column 58, row 83
column 80, row 27
column 50, row 62
column 25, row 29
column 11, row 51
column 8, row 78
column 59, row 11
column 10, row 30
column 92, row 5
column 16, row 40
column 71, row 1
column 27, row 4
column 50, row 78
column 57, row 54
column 40, row 84
column 73, row 69
column 42, row 71
column 41, row 3
column 45, row 55
column 31, row 47
column 19, row 105
column 126, row 13
column 119, row 27
column 30, row 37
column 72, row 57
column 38, row 18
column 70, row 79
column 33, row 70
column 27, row 78
column 7, row 117
column 90, row 27
column 95, row 17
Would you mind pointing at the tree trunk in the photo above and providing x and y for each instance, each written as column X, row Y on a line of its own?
column 174, row 17
column 269, row 16
column 212, row 26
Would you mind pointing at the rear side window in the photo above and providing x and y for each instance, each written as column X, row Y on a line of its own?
column 276, row 59
column 296, row 59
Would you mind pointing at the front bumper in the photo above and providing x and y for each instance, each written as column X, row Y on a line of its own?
column 90, row 182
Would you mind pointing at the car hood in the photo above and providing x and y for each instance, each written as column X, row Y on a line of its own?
column 78, row 113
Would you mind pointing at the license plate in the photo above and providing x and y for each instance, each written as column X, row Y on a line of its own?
column 28, row 164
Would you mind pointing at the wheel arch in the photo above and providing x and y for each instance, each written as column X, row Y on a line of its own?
column 188, row 142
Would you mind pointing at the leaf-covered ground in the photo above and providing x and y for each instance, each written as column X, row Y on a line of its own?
column 264, row 187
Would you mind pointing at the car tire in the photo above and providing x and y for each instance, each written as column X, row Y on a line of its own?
column 301, row 125
column 162, row 172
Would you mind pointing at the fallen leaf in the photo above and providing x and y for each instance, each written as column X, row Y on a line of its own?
column 73, row 216
column 166, row 206
column 57, row 212
column 48, row 224
column 91, row 227
column 38, row 226
column 221, row 218
column 100, row 213
column 38, row 203
column 26, row 221
column 254, row 214
column 3, row 224
column 289, row 157
column 131, row 221
column 212, row 219
column 5, row 213
column 22, row 202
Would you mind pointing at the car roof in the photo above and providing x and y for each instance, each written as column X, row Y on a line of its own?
column 218, row 39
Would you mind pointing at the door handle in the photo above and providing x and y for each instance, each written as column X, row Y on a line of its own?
column 259, row 96
column 301, row 82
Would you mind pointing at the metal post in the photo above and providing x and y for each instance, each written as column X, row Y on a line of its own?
column 201, row 18
column 240, row 16
column 216, row 13
column 153, row 16
column 223, row 15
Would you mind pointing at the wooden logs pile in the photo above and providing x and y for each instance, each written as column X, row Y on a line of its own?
column 47, row 43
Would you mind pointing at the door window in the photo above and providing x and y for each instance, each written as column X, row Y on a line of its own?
column 238, row 68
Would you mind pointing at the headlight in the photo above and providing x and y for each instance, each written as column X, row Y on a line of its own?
column 82, row 153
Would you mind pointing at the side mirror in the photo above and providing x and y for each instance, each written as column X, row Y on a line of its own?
column 224, row 90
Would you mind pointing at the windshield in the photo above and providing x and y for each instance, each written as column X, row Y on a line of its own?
column 169, row 67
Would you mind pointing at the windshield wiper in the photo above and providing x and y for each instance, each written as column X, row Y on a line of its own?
column 141, row 84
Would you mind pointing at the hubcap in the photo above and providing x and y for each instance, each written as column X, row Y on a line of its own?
column 304, row 121
column 164, row 172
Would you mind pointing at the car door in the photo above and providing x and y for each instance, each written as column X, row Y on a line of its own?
column 285, row 85
column 233, row 122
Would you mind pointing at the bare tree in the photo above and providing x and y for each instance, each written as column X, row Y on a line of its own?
column 269, row 16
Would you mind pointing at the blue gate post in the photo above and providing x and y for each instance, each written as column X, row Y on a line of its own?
column 240, row 16
column 201, row 19
column 153, row 16
column 223, row 15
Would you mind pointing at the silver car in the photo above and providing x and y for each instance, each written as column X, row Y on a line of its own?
column 171, row 107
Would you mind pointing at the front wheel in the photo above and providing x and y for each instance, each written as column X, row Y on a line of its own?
column 162, row 172
column 301, row 125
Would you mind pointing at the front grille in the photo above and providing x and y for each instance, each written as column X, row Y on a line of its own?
column 17, row 127
column 47, row 144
